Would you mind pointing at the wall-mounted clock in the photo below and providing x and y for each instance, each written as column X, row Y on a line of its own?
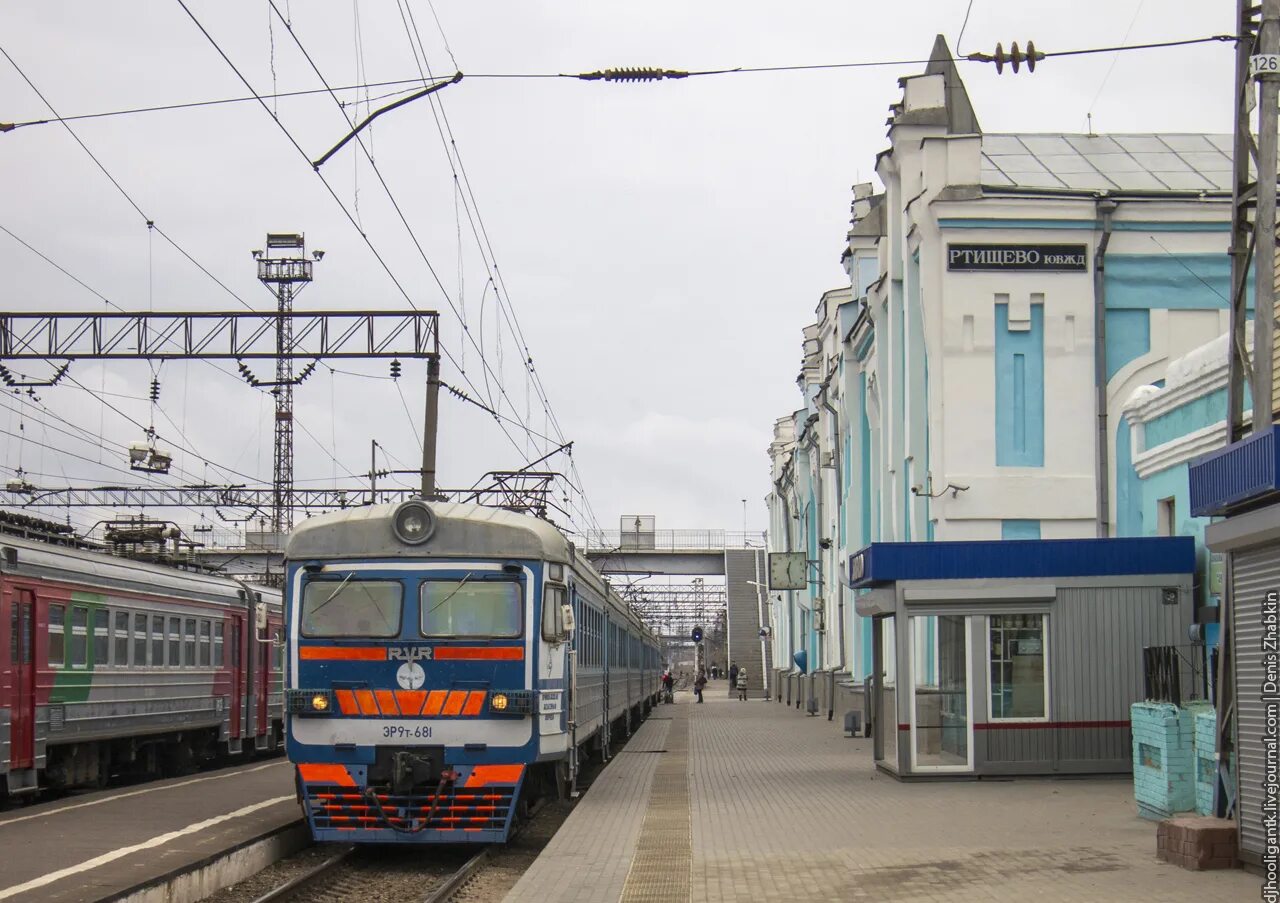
column 788, row 570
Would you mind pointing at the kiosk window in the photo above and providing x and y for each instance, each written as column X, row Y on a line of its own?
column 1018, row 670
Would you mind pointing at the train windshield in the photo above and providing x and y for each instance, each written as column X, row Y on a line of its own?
column 471, row 608
column 351, row 608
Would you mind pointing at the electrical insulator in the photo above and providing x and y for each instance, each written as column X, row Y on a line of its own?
column 395, row 369
column 155, row 390
column 1015, row 57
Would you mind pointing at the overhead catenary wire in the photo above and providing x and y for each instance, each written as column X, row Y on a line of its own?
column 391, row 83
column 400, row 213
column 149, row 221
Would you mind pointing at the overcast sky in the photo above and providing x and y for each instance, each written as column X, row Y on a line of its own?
column 663, row 244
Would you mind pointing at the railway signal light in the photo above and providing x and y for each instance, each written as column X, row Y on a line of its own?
column 697, row 634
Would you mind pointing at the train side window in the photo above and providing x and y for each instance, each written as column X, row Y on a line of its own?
column 79, row 636
column 157, row 641
column 218, row 635
column 189, row 643
column 175, row 642
column 121, row 641
column 204, row 644
column 139, row 641
column 101, row 637
column 57, row 638
column 552, row 616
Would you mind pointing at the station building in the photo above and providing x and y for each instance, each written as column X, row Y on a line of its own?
column 1007, row 296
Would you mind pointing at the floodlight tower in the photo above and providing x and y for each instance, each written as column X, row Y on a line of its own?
column 284, row 272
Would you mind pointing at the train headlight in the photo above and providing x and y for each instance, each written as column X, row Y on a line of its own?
column 307, row 702
column 413, row 522
column 511, row 703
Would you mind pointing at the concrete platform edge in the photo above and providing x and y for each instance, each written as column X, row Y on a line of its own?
column 211, row 874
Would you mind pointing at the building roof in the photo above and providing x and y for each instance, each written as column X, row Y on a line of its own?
column 1156, row 162
column 888, row 562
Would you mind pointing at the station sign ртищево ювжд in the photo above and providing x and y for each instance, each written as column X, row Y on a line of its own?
column 1003, row 258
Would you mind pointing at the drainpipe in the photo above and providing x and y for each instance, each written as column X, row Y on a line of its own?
column 786, row 536
column 1106, row 207
column 810, row 703
column 835, row 430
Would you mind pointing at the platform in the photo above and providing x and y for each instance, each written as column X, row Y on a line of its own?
column 93, row 846
column 757, row 801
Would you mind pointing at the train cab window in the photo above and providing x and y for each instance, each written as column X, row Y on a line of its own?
column 204, row 644
column 101, row 637
column 57, row 638
column 157, row 641
column 471, row 608
column 120, row 640
column 189, row 643
column 552, row 616
column 139, row 641
column 79, row 636
column 218, row 634
column 351, row 608
column 175, row 642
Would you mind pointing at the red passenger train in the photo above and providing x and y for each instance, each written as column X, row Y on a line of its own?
column 109, row 665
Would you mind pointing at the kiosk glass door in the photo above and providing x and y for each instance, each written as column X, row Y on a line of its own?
column 941, row 702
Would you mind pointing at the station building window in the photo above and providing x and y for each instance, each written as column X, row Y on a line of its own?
column 57, row 636
column 1018, row 667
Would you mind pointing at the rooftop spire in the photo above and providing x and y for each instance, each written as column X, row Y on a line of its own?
column 961, row 119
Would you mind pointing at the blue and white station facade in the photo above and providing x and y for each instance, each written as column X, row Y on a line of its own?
column 998, row 365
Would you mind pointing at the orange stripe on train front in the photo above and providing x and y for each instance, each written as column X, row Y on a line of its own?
column 435, row 699
column 341, row 653
column 387, row 702
column 454, row 704
column 316, row 773
column 475, row 702
column 347, row 702
column 411, row 701
column 489, row 653
column 367, row 704
column 484, row 775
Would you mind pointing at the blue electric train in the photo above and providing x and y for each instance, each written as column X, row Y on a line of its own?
column 446, row 665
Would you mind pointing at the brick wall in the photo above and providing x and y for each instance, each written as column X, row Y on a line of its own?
column 1164, row 758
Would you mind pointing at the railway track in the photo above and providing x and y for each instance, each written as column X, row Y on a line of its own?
column 379, row 873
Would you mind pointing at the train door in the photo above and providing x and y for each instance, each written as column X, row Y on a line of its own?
column 237, row 713
column 262, row 654
column 22, row 649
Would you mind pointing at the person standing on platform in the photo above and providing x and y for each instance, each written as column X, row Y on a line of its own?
column 741, row 681
column 733, row 676
column 668, row 686
column 699, row 682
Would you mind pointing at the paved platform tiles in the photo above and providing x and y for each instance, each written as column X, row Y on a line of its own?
column 89, row 846
column 783, row 807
